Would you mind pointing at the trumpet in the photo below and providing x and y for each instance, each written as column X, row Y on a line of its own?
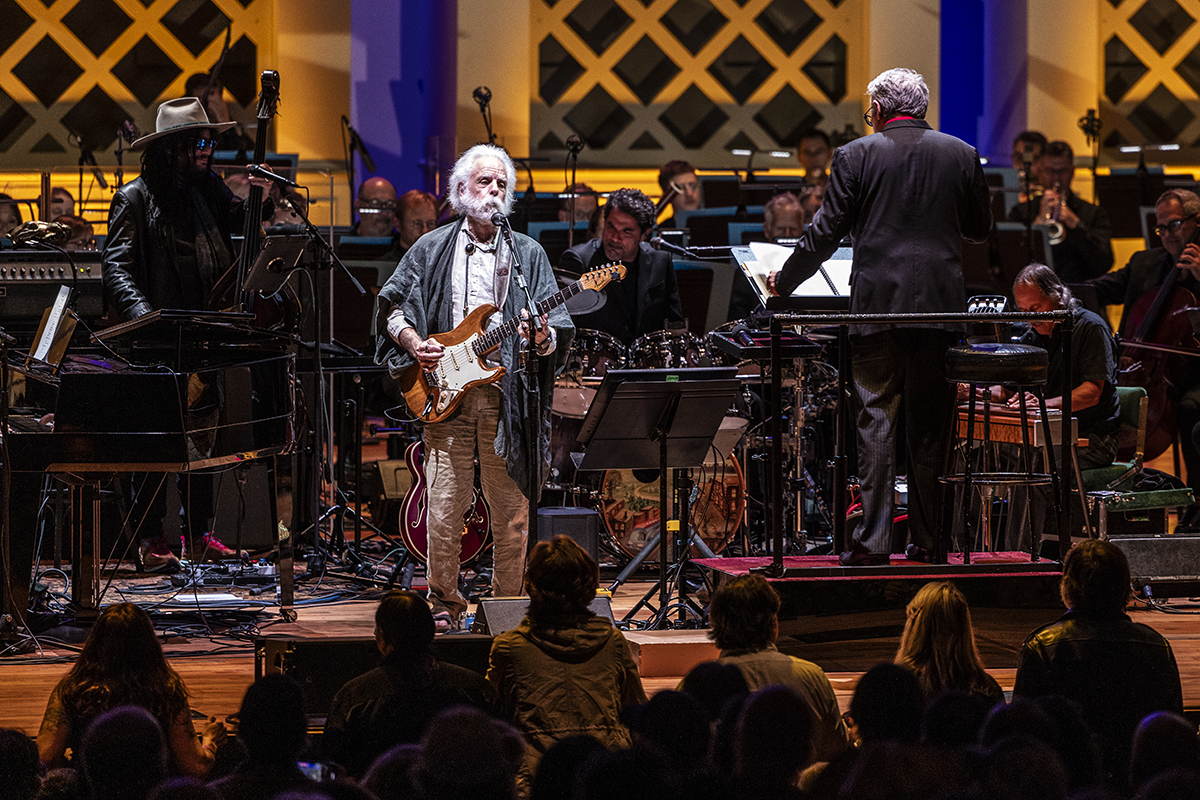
column 1049, row 220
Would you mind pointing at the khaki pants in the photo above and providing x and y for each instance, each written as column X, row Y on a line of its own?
column 450, row 449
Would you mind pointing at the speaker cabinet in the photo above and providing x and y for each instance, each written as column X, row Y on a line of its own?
column 580, row 524
column 390, row 481
column 1173, row 557
column 499, row 615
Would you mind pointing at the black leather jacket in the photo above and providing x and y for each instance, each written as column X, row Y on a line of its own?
column 1116, row 669
column 139, row 267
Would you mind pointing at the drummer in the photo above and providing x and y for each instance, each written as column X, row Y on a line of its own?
column 647, row 300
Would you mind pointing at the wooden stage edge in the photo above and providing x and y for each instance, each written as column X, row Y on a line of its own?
column 846, row 623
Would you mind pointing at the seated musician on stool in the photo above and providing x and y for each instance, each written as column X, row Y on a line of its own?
column 1178, row 261
column 647, row 300
column 168, row 242
column 1086, row 249
column 448, row 273
column 1093, row 360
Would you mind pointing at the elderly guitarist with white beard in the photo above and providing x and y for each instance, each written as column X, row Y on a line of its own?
column 448, row 273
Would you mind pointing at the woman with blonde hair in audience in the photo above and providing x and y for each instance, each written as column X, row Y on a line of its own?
column 122, row 664
column 938, row 644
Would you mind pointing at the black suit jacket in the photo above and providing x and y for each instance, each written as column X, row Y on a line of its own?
column 1086, row 249
column 637, row 305
column 907, row 196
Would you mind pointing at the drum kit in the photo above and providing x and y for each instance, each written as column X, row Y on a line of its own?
column 628, row 500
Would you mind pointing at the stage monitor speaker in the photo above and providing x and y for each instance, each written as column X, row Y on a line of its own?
column 580, row 524
column 499, row 615
column 390, row 481
column 322, row 666
column 1173, row 557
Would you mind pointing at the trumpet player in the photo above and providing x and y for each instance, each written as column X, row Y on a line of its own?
column 1080, row 232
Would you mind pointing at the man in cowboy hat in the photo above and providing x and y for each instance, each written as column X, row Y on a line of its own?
column 169, row 239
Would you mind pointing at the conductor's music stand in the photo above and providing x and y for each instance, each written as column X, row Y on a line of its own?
column 657, row 419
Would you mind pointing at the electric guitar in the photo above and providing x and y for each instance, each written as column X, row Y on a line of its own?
column 434, row 394
column 413, row 512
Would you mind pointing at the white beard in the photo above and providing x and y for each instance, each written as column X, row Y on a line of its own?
column 482, row 208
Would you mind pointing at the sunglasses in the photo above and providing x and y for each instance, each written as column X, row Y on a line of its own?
column 206, row 143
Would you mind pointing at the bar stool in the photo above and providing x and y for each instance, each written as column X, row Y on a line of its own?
column 989, row 364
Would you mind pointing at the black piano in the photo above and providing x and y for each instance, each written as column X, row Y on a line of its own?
column 121, row 404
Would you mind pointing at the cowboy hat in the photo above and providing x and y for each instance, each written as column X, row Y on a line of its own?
column 177, row 116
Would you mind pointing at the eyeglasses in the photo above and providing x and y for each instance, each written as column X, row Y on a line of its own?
column 1171, row 227
column 206, row 144
column 867, row 117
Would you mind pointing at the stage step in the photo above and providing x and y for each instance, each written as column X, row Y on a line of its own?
column 670, row 653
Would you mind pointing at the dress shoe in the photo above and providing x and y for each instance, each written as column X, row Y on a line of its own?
column 914, row 552
column 859, row 558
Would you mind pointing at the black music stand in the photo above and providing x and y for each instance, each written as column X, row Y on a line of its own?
column 657, row 419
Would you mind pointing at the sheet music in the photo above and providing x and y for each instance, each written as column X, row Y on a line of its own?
column 51, row 331
column 761, row 259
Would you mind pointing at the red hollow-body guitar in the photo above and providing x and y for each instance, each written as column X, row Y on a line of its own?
column 433, row 395
column 416, row 505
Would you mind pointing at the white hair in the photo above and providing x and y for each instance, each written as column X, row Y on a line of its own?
column 900, row 92
column 460, row 175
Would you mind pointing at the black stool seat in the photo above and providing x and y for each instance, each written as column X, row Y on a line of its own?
column 989, row 363
column 997, row 478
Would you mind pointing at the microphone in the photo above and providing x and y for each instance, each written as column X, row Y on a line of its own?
column 357, row 145
column 659, row 243
column 499, row 220
column 260, row 172
column 86, row 157
column 574, row 144
column 482, row 95
column 38, row 231
column 742, row 334
column 128, row 131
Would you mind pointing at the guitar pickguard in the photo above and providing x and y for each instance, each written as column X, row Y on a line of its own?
column 458, row 370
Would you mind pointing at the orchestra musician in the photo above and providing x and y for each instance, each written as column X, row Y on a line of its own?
column 1177, row 260
column 444, row 276
column 169, row 240
column 1086, row 247
column 647, row 300
column 1093, row 396
column 907, row 236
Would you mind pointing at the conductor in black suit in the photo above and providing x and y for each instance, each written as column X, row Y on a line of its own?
column 907, row 196
column 647, row 300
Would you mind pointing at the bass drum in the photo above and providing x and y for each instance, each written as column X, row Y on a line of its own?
column 631, row 514
column 668, row 350
column 592, row 354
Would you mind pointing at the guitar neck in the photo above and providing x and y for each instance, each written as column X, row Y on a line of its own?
column 500, row 333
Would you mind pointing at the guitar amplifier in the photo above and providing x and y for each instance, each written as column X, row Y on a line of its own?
column 29, row 281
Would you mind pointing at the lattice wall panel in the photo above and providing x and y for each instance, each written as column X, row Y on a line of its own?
column 1151, row 73
column 645, row 81
column 73, row 70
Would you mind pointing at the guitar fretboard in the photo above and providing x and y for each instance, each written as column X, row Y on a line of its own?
column 494, row 337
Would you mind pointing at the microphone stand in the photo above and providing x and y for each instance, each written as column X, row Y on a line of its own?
column 328, row 257
column 574, row 146
column 533, row 417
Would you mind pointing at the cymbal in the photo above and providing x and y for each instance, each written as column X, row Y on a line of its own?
column 586, row 302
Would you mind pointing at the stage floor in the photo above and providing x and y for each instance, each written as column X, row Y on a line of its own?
column 210, row 641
